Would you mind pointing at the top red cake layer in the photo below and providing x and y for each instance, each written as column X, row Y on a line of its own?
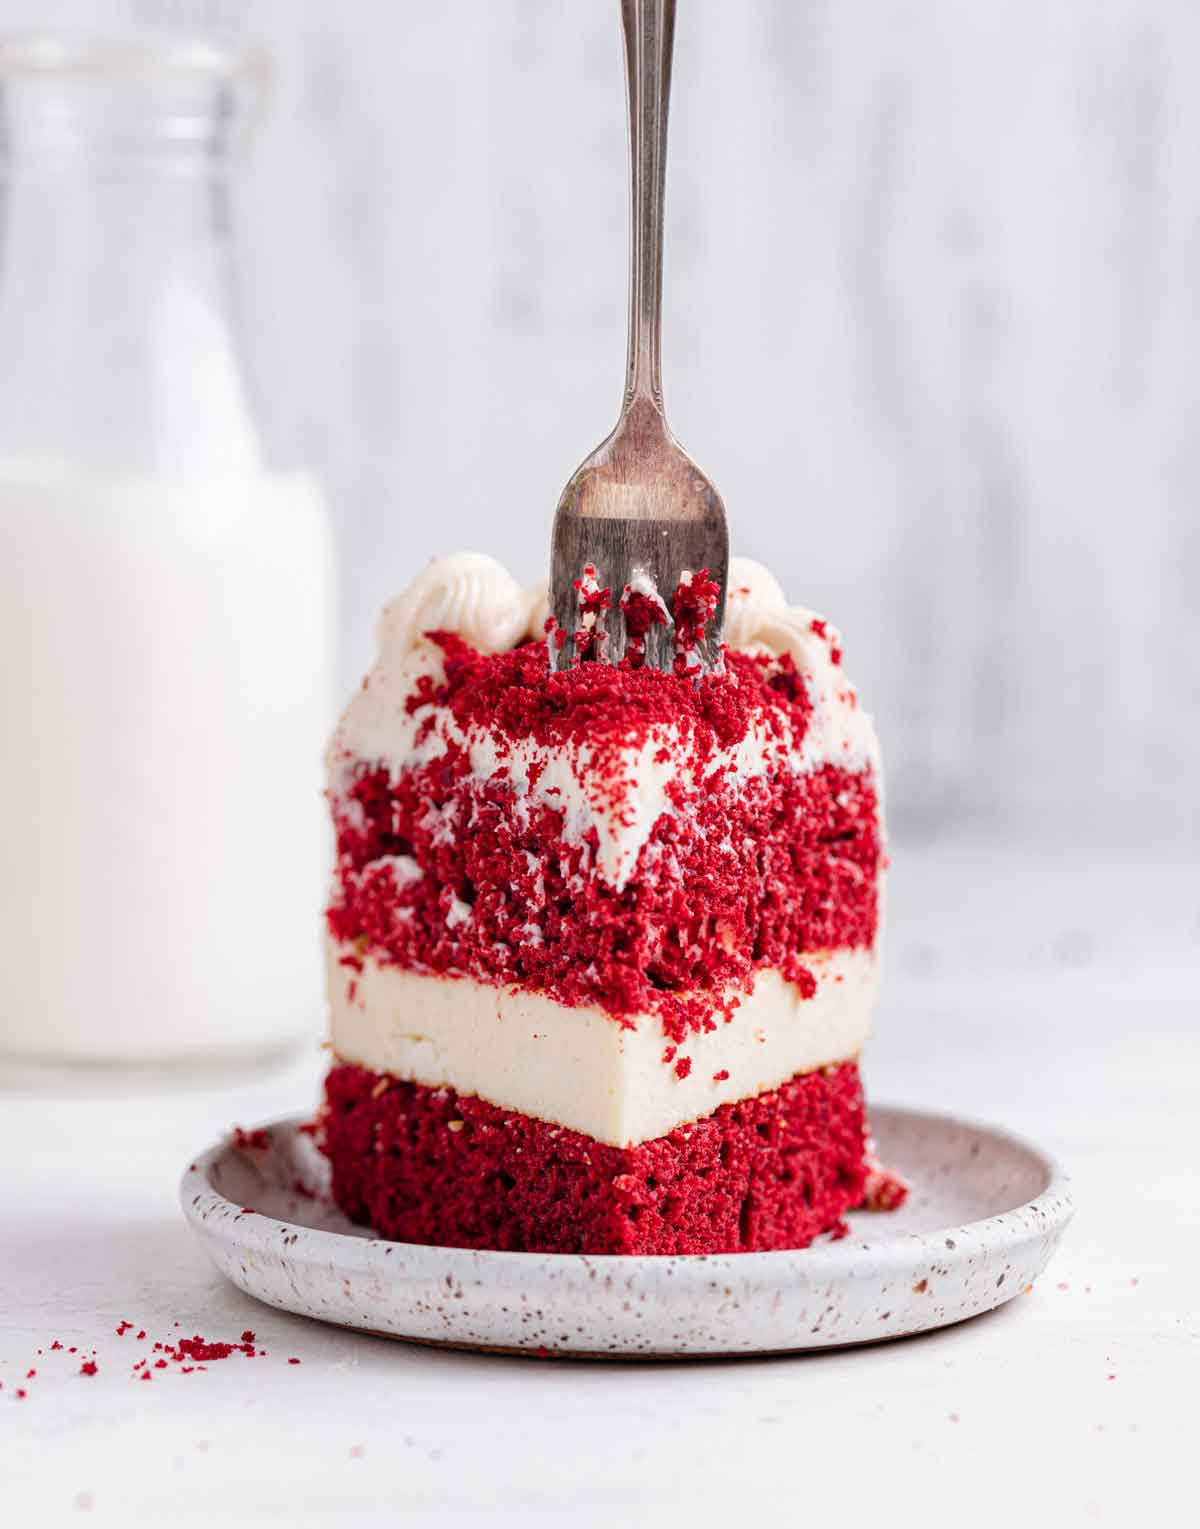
column 736, row 874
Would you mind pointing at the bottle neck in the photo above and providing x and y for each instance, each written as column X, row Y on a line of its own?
column 118, row 351
column 117, row 348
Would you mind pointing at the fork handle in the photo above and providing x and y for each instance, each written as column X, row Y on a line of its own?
column 649, row 28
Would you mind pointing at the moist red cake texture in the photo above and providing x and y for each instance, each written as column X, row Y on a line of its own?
column 742, row 875
column 426, row 1165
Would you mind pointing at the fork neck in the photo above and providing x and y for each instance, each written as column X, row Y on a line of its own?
column 649, row 32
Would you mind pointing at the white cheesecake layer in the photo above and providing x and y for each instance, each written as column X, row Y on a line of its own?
column 578, row 1067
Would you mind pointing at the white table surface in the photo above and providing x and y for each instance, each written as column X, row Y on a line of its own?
column 1049, row 990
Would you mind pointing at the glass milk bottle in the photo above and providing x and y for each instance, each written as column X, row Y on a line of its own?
column 166, row 586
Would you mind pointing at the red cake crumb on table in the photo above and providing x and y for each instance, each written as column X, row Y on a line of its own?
column 770, row 1172
column 199, row 1350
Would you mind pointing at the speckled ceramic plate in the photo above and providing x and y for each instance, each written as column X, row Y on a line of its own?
column 985, row 1214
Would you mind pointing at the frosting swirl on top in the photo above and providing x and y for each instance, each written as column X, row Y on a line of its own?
column 468, row 593
column 476, row 597
column 754, row 596
column 759, row 618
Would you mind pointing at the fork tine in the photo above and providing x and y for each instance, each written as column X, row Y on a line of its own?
column 618, row 548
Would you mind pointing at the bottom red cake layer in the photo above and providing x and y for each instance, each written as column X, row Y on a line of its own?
column 426, row 1165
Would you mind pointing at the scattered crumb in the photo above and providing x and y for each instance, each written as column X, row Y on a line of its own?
column 259, row 1139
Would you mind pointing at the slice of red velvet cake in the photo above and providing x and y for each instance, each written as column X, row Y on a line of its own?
column 601, row 943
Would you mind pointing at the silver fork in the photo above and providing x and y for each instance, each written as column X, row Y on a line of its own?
column 639, row 508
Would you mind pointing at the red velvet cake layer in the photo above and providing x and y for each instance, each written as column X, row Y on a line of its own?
column 425, row 1165
column 740, row 875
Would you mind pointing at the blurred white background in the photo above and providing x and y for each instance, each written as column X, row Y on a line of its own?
column 932, row 324
column 932, row 313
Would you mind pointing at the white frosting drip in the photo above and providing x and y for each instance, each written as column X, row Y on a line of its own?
column 474, row 596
